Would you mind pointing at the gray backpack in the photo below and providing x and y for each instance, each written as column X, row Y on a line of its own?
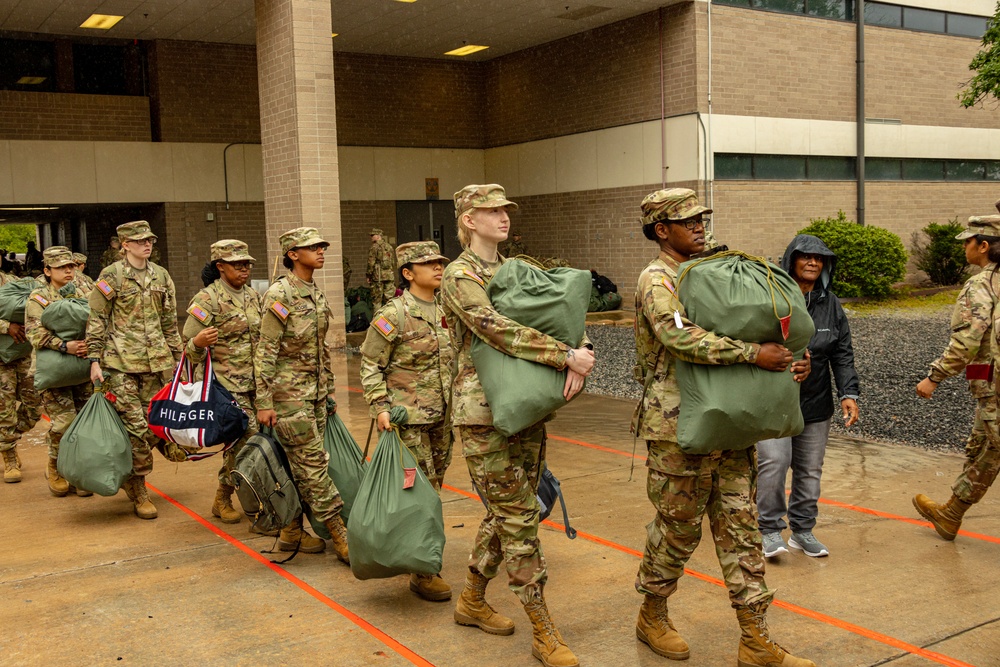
column 264, row 483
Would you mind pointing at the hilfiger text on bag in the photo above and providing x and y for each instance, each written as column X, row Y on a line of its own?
column 181, row 416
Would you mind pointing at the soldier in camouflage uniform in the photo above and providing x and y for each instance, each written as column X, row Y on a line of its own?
column 515, row 247
column 84, row 283
column 133, row 345
column 112, row 254
column 408, row 360
column 972, row 347
column 505, row 469
column 684, row 487
column 19, row 407
column 226, row 316
column 381, row 271
column 62, row 403
column 294, row 381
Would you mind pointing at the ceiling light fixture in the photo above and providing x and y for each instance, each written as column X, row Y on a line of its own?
column 30, row 80
column 334, row 34
column 101, row 21
column 466, row 50
column 28, row 208
column 406, row 0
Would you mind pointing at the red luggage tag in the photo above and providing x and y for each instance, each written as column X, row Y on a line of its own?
column 409, row 477
column 979, row 372
column 786, row 324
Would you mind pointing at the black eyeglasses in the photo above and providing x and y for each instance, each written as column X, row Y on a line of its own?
column 241, row 266
column 690, row 224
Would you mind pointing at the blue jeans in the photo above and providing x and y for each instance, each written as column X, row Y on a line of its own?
column 802, row 453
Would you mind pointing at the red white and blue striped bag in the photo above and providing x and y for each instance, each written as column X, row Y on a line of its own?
column 197, row 415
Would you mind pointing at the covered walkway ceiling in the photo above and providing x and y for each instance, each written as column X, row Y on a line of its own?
column 423, row 28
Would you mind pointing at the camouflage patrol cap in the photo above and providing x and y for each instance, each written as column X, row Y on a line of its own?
column 490, row 195
column 300, row 237
column 56, row 256
column 986, row 225
column 135, row 231
column 671, row 205
column 79, row 257
column 375, row 232
column 419, row 252
column 231, row 250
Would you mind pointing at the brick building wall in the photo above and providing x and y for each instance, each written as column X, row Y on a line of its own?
column 356, row 221
column 408, row 102
column 72, row 117
column 203, row 92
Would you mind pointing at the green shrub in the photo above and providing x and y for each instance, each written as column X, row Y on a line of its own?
column 939, row 254
column 869, row 259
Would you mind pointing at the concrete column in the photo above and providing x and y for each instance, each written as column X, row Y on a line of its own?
column 299, row 134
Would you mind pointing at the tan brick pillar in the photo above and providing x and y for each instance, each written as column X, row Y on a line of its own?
column 298, row 128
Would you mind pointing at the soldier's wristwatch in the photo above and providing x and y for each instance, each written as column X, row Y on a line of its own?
column 62, row 347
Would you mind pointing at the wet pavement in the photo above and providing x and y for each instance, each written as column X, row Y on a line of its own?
column 85, row 582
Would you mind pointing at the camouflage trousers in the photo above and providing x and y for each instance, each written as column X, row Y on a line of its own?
column 19, row 404
column 982, row 454
column 245, row 401
column 300, row 431
column 133, row 392
column 430, row 445
column 506, row 470
column 382, row 292
column 683, row 488
column 61, row 405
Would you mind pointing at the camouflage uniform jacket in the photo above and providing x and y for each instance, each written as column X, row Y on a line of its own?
column 659, row 343
column 381, row 263
column 133, row 326
column 292, row 359
column 38, row 301
column 971, row 326
column 84, row 284
column 469, row 313
column 408, row 363
column 239, row 330
column 109, row 257
column 515, row 248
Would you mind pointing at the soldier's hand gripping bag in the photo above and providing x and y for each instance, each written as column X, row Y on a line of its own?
column 733, row 407
column 95, row 452
column 347, row 467
column 554, row 301
column 13, row 297
column 396, row 525
column 264, row 483
column 67, row 319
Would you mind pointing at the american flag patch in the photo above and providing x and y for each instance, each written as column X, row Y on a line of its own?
column 385, row 326
column 666, row 283
column 104, row 287
column 474, row 277
column 198, row 312
column 279, row 309
column 40, row 299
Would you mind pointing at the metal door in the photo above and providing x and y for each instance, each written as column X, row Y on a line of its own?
column 428, row 221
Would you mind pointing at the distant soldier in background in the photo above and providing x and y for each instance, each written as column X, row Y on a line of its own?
column 84, row 283
column 347, row 273
column 33, row 265
column 112, row 254
column 381, row 271
column 514, row 247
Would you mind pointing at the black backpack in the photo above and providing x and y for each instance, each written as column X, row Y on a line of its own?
column 264, row 483
column 548, row 491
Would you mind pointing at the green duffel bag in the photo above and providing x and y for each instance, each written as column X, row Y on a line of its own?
column 95, row 453
column 11, row 351
column 733, row 407
column 521, row 392
column 67, row 319
column 13, row 296
column 347, row 467
column 397, row 526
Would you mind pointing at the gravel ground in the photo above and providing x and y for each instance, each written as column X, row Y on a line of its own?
column 892, row 353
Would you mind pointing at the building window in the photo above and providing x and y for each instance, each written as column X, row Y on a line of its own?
column 927, row 20
column 99, row 69
column 27, row 65
column 966, row 26
column 749, row 167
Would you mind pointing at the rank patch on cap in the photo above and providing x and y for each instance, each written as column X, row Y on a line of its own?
column 279, row 309
column 385, row 326
column 474, row 277
column 40, row 299
column 104, row 287
column 198, row 312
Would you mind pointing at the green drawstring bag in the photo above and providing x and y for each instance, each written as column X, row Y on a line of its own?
column 347, row 467
column 95, row 452
column 13, row 296
column 733, row 407
column 67, row 319
column 396, row 526
column 521, row 392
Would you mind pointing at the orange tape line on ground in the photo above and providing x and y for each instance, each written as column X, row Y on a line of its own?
column 346, row 613
column 803, row 611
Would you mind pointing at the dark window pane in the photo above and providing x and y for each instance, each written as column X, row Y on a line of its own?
column 738, row 3
column 831, row 168
column 732, row 167
column 967, row 26
column 923, row 170
column 882, row 169
column 965, row 170
column 833, row 9
column 791, row 6
column 877, row 13
column 99, row 69
column 923, row 19
column 779, row 167
column 993, row 170
column 31, row 63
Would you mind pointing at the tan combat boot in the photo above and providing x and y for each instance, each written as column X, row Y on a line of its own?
column 11, row 466
column 757, row 649
column 57, row 483
column 430, row 587
column 83, row 493
column 293, row 536
column 338, row 538
column 473, row 609
column 546, row 643
column 947, row 518
column 656, row 629
column 223, row 505
column 144, row 508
